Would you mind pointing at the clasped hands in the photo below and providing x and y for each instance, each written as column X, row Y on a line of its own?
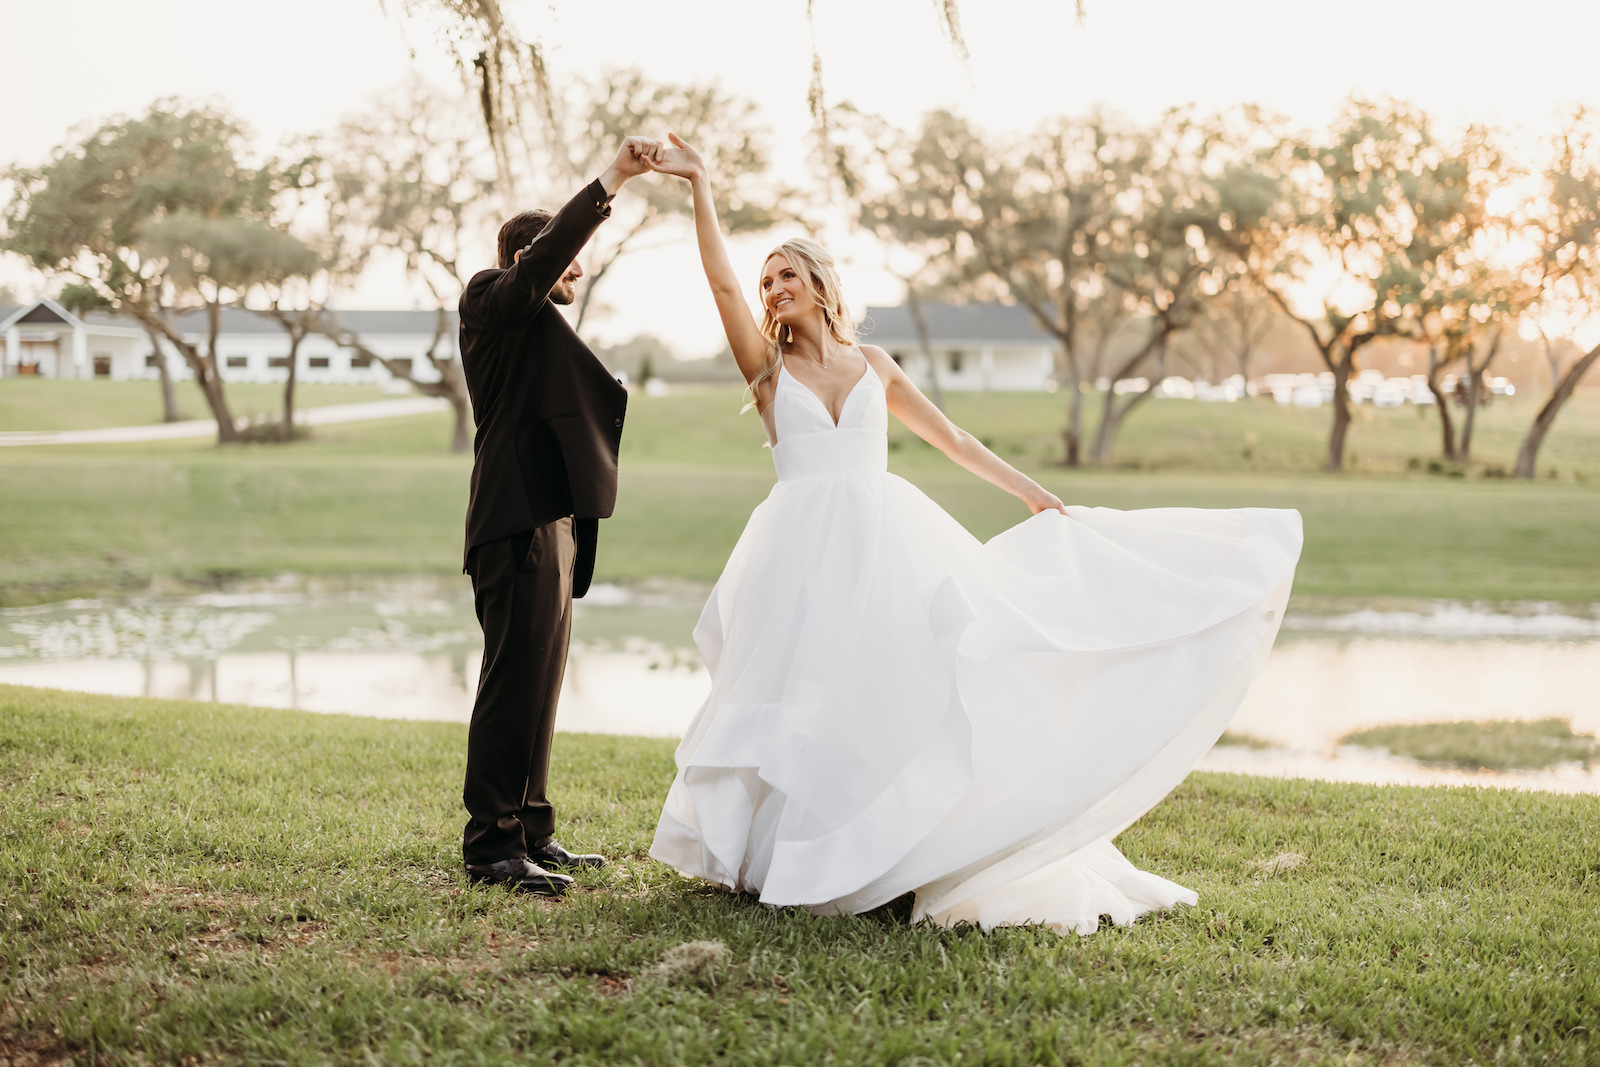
column 642, row 155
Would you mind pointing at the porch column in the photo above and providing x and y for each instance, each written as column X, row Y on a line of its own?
column 13, row 352
column 80, row 352
column 986, row 363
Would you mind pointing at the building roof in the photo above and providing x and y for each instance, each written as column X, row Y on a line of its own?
column 367, row 323
column 949, row 323
column 42, row 312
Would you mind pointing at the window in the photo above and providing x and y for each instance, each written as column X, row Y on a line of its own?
column 317, row 363
column 102, row 365
column 955, row 362
column 898, row 358
column 400, row 366
column 360, row 361
column 238, row 362
column 152, row 360
column 278, row 362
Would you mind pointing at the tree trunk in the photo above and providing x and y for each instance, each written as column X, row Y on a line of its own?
column 1068, row 375
column 1528, row 454
column 1111, row 415
column 1474, row 384
column 169, row 391
column 295, row 336
column 203, row 366
column 227, row 432
column 452, row 383
column 1074, row 431
column 1341, row 411
column 461, row 438
column 1464, row 452
column 1446, row 426
column 919, row 322
column 1111, row 421
column 595, row 276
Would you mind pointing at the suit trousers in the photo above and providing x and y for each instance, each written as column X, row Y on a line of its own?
column 522, row 589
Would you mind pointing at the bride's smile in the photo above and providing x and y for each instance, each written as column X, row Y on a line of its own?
column 784, row 294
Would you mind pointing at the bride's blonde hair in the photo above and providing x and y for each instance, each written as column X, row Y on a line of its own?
column 815, row 264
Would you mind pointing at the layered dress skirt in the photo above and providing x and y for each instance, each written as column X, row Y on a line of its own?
column 898, row 707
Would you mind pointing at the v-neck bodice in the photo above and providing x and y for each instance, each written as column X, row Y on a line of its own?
column 808, row 441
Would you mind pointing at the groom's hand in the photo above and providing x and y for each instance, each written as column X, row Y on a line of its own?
column 633, row 159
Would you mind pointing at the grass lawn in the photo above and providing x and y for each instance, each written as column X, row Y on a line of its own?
column 199, row 883
column 1496, row 746
column 385, row 497
column 47, row 404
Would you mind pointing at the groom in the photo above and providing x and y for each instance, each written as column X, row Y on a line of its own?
column 544, row 473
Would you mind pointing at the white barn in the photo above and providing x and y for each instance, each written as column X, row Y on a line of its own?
column 47, row 340
column 976, row 347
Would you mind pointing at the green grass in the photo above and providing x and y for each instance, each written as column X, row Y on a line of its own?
column 1495, row 746
column 385, row 498
column 189, row 882
column 1238, row 740
column 45, row 404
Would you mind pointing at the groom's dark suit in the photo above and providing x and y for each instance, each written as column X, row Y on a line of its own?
column 549, row 418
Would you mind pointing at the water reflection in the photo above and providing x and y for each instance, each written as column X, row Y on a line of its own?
column 407, row 649
column 411, row 649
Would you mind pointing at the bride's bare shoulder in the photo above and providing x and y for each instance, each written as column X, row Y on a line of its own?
column 881, row 362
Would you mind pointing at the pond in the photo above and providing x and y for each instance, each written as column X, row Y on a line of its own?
column 410, row 649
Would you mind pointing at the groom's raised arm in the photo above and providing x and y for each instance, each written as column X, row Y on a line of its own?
column 503, row 298
column 497, row 299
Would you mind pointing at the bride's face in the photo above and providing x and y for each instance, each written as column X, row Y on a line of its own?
column 784, row 292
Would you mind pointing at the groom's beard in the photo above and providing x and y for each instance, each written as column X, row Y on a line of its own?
column 565, row 291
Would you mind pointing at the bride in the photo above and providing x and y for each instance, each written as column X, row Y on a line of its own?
column 897, row 707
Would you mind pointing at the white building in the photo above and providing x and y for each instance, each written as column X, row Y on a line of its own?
column 975, row 346
column 47, row 340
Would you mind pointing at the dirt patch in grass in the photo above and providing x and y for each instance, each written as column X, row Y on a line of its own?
column 22, row 1048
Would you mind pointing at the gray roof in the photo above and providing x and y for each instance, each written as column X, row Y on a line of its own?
column 237, row 320
column 365, row 323
column 41, row 312
column 947, row 323
column 110, row 318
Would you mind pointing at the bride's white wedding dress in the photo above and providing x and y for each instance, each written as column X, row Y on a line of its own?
column 896, row 706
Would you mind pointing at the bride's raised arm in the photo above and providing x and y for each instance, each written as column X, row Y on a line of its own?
column 908, row 404
column 751, row 350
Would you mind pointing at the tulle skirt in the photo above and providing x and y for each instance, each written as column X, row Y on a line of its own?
column 897, row 707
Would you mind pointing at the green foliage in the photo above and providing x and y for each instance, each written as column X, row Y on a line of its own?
column 97, row 196
column 158, row 214
column 1496, row 746
column 220, row 883
column 81, row 299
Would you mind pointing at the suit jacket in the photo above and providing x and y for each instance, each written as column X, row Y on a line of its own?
column 549, row 414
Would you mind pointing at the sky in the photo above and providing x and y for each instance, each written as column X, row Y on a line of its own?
column 296, row 66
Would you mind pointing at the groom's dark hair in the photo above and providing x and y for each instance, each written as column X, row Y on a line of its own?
column 519, row 231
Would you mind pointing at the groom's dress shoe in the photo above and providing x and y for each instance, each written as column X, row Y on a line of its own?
column 522, row 875
column 553, row 857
